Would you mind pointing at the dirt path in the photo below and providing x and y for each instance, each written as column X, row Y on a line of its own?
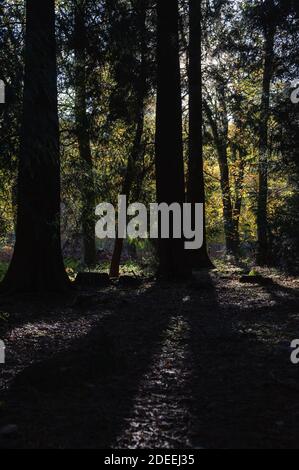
column 200, row 365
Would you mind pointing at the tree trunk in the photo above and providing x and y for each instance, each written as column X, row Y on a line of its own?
column 169, row 148
column 137, row 144
column 37, row 263
column 229, row 228
column 239, row 182
column 196, row 183
column 262, row 214
column 127, row 187
column 83, row 135
column 221, row 147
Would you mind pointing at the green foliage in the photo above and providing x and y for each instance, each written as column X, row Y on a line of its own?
column 72, row 267
column 3, row 269
column 232, row 78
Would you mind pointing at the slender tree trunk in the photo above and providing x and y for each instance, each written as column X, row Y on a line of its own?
column 196, row 183
column 239, row 182
column 221, row 146
column 83, row 135
column 37, row 263
column 169, row 147
column 229, row 228
column 262, row 214
column 137, row 144
column 127, row 187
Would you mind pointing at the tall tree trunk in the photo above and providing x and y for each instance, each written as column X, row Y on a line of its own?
column 37, row 263
column 196, row 183
column 135, row 154
column 127, row 187
column 83, row 135
column 262, row 214
column 229, row 227
column 169, row 146
column 220, row 140
column 239, row 182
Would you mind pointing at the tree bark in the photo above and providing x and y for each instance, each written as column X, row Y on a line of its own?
column 169, row 147
column 196, row 183
column 127, row 187
column 238, row 186
column 37, row 264
column 221, row 146
column 83, row 135
column 229, row 227
column 134, row 156
column 262, row 214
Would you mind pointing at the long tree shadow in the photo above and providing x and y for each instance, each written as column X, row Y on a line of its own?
column 80, row 398
column 244, row 391
column 283, row 295
column 208, row 357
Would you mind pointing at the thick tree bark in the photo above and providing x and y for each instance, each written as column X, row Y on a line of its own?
column 134, row 156
column 169, row 147
column 196, row 183
column 83, row 135
column 37, row 263
column 262, row 214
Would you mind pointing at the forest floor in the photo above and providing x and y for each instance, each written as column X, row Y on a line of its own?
column 204, row 364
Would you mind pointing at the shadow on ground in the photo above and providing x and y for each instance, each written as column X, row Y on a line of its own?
column 245, row 389
column 200, row 365
column 80, row 397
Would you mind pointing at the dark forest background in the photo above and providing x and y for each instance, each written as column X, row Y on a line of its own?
column 129, row 344
column 238, row 66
